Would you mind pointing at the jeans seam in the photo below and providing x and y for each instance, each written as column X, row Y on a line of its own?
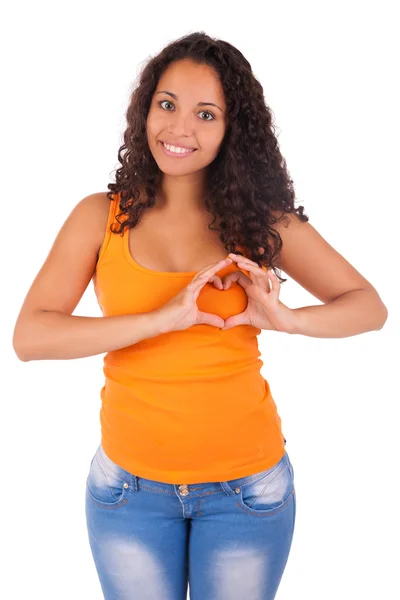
column 106, row 478
column 258, row 476
column 267, row 513
column 105, row 504
column 266, row 485
column 100, row 460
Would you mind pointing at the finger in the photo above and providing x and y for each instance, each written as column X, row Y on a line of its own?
column 246, row 262
column 236, row 320
column 275, row 284
column 238, row 276
column 211, row 269
column 215, row 267
column 240, row 258
column 257, row 275
column 206, row 273
column 229, row 279
column 196, row 285
column 217, row 281
column 204, row 318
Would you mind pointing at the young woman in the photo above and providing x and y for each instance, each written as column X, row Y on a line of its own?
column 191, row 483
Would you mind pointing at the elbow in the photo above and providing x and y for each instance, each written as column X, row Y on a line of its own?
column 386, row 314
column 20, row 353
column 20, row 348
column 22, row 358
column 377, row 310
column 383, row 318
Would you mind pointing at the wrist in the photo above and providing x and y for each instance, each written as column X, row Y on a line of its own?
column 156, row 322
column 298, row 322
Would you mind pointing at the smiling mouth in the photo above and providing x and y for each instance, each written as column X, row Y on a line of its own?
column 186, row 152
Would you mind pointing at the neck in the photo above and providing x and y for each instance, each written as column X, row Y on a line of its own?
column 181, row 195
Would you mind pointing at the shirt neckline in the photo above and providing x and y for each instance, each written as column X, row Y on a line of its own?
column 139, row 267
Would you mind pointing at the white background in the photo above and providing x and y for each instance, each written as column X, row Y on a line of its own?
column 330, row 75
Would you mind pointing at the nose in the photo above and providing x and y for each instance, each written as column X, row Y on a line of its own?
column 181, row 125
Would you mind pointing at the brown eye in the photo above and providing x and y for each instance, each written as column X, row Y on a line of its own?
column 207, row 112
column 161, row 101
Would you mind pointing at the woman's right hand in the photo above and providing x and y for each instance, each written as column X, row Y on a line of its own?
column 182, row 312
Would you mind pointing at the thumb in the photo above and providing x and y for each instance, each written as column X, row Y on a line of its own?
column 205, row 318
column 235, row 320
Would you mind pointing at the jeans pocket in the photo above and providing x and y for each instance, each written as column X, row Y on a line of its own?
column 269, row 493
column 107, row 483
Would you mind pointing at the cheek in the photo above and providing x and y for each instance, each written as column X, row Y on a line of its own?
column 215, row 133
column 150, row 127
column 154, row 123
column 210, row 141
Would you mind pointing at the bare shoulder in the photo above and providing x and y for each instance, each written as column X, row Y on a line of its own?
column 308, row 258
column 95, row 207
column 71, row 261
column 93, row 210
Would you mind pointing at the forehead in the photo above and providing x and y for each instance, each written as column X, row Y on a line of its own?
column 192, row 81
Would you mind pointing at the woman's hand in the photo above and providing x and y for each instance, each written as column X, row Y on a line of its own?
column 264, row 309
column 181, row 311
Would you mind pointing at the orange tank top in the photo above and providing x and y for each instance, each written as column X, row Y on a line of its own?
column 186, row 406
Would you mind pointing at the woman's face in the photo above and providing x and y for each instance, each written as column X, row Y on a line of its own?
column 187, row 110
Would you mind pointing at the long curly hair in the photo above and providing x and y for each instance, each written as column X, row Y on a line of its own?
column 248, row 187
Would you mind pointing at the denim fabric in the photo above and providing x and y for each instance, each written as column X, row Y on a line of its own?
column 226, row 540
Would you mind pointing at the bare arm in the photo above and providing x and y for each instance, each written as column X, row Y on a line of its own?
column 352, row 313
column 351, row 304
column 50, row 335
column 45, row 328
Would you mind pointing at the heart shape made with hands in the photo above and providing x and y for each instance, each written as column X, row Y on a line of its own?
column 242, row 275
column 264, row 310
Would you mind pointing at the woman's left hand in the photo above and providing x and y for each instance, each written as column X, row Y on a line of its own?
column 264, row 309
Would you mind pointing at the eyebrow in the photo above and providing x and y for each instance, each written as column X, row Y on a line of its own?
column 198, row 104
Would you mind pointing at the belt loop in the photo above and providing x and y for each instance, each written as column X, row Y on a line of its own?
column 227, row 488
column 133, row 482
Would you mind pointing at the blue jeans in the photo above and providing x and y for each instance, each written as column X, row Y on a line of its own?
column 226, row 540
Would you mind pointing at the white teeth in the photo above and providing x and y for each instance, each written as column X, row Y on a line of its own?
column 176, row 149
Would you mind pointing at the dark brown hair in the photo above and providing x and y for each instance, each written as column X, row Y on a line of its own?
column 247, row 184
